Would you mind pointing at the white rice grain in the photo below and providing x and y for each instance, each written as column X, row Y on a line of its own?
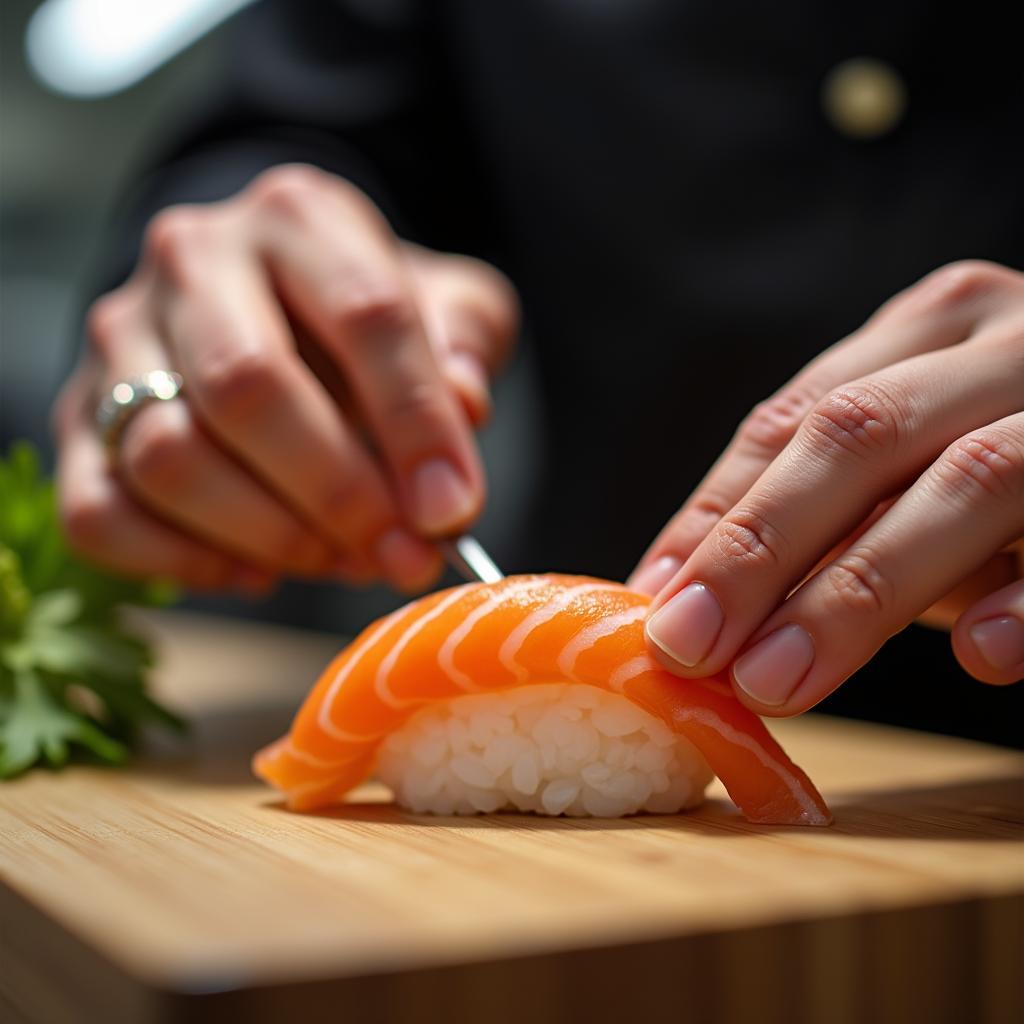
column 558, row 795
column 552, row 748
column 526, row 774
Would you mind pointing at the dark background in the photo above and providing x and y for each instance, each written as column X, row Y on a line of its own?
column 62, row 163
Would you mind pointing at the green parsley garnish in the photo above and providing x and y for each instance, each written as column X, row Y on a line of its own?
column 72, row 678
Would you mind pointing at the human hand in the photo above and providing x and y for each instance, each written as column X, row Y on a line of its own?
column 885, row 482
column 333, row 375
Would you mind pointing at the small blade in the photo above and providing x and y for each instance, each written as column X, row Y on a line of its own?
column 468, row 558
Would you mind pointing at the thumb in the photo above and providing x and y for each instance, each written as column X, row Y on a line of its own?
column 471, row 314
column 988, row 639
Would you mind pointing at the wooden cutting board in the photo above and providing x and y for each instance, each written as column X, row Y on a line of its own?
column 179, row 889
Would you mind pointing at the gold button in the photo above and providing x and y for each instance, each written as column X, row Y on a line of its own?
column 864, row 98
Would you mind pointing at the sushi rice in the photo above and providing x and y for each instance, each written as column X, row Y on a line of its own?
column 550, row 748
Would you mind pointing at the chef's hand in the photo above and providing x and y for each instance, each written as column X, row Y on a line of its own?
column 884, row 483
column 333, row 375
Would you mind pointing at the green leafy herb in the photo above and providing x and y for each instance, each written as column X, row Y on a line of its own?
column 72, row 678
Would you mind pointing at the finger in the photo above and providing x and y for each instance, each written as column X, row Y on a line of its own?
column 859, row 445
column 471, row 316
column 411, row 564
column 104, row 524
column 466, row 376
column 256, row 396
column 966, row 506
column 936, row 313
column 997, row 572
column 988, row 639
column 172, row 467
column 343, row 277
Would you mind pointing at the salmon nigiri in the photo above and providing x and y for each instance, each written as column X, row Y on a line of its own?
column 536, row 693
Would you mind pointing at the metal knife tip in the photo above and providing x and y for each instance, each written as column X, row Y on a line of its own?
column 466, row 555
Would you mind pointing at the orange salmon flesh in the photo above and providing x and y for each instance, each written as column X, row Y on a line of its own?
column 522, row 630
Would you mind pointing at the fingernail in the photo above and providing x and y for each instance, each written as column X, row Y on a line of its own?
column 441, row 497
column 771, row 670
column 1000, row 641
column 651, row 578
column 686, row 627
column 407, row 561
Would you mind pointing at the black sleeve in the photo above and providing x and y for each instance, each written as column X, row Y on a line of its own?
column 358, row 87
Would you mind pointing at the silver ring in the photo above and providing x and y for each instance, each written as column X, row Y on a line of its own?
column 127, row 397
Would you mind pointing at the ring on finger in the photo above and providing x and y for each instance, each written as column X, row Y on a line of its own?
column 124, row 400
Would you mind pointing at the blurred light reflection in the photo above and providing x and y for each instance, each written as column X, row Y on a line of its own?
column 92, row 48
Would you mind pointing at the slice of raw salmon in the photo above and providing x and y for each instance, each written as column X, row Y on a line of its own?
column 522, row 630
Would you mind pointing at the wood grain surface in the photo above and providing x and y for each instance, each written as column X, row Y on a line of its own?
column 179, row 889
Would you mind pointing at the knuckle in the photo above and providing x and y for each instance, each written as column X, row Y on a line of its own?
column 352, row 199
column 854, row 583
column 702, row 512
column 171, row 229
column 951, row 288
column 288, row 189
column 983, row 465
column 498, row 305
column 705, row 510
column 859, row 419
column 105, row 321
column 422, row 404
column 746, row 537
column 694, row 522
column 503, row 292
column 235, row 388
column 158, row 450
column 771, row 424
column 375, row 310
column 176, row 240
column 959, row 283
